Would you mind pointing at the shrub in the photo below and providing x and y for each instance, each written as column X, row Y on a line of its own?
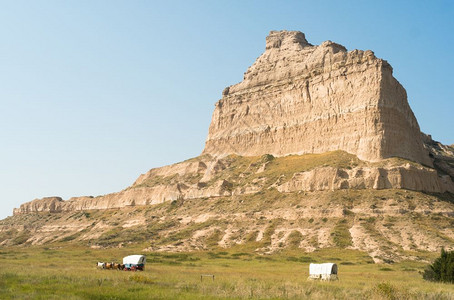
column 141, row 279
column 21, row 238
column 341, row 234
column 294, row 239
column 386, row 290
column 442, row 269
column 386, row 269
column 267, row 157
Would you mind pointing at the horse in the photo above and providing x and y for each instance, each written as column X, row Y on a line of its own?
column 101, row 265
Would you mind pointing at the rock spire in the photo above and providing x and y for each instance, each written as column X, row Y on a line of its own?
column 298, row 98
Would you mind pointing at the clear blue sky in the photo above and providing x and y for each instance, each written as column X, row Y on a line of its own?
column 94, row 93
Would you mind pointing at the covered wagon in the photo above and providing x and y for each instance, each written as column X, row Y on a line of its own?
column 134, row 262
column 327, row 271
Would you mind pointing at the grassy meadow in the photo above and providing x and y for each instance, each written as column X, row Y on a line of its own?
column 389, row 224
column 69, row 271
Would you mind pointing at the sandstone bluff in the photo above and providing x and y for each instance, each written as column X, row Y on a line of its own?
column 298, row 98
column 316, row 145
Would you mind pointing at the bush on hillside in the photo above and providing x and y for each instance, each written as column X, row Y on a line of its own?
column 442, row 269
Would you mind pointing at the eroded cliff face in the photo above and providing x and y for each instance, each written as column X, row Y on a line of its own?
column 298, row 98
column 362, row 170
column 389, row 224
column 207, row 177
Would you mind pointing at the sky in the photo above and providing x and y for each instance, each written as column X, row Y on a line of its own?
column 95, row 93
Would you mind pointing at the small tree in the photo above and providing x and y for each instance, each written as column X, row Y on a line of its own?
column 442, row 269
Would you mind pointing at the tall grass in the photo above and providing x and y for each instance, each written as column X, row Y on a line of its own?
column 69, row 271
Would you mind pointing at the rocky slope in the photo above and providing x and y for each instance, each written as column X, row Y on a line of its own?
column 298, row 98
column 316, row 147
column 206, row 176
column 261, row 204
column 389, row 225
column 442, row 156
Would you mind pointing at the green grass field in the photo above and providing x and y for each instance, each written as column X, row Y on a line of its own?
column 69, row 271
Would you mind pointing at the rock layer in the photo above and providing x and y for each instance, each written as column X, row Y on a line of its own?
column 388, row 225
column 206, row 177
column 402, row 177
column 298, row 98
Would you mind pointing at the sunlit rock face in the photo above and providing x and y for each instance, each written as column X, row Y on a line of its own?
column 298, row 98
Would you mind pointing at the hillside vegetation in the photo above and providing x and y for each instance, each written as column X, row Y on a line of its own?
column 389, row 225
column 65, row 270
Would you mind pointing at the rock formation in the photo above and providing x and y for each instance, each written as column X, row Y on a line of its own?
column 206, row 176
column 298, row 98
column 364, row 176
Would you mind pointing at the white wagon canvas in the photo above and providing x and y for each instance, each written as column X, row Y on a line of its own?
column 134, row 262
column 327, row 271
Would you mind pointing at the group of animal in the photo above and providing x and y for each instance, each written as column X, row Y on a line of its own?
column 110, row 266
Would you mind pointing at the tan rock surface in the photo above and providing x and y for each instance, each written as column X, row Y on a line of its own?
column 401, row 177
column 49, row 204
column 442, row 155
column 379, row 189
column 298, row 98
column 388, row 224
column 236, row 176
